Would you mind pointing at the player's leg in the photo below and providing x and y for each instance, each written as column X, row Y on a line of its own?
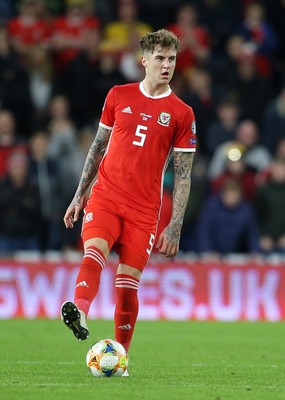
column 127, row 305
column 74, row 314
column 136, row 242
column 98, row 238
column 136, row 239
column 96, row 250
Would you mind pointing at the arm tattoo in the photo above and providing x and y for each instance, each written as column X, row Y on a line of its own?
column 182, row 183
column 93, row 159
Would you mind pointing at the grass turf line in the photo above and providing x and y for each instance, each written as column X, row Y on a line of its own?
column 41, row 360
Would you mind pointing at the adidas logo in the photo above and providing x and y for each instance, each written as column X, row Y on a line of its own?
column 127, row 110
column 82, row 283
column 126, row 327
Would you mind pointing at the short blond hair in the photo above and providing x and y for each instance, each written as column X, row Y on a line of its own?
column 162, row 37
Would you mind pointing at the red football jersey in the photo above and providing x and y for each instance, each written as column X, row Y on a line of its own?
column 64, row 27
column 145, row 131
column 29, row 34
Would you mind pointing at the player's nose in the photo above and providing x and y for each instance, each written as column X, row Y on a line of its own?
column 166, row 64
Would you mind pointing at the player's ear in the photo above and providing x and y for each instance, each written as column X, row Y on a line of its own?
column 143, row 61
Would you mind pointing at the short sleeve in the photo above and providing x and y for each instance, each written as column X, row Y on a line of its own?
column 185, row 137
column 107, row 119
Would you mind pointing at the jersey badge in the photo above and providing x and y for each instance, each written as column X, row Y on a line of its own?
column 193, row 128
column 164, row 119
column 89, row 217
column 127, row 110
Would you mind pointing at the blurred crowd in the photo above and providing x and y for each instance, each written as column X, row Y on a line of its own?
column 59, row 58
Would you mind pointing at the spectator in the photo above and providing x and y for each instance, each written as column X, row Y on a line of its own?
column 63, row 149
column 227, row 224
column 63, row 141
column 19, row 207
column 108, row 75
column 219, row 16
column 200, row 93
column 194, row 40
column 71, row 239
column 87, row 78
column 274, row 121
column 178, row 84
column 130, row 60
column 9, row 141
column 236, row 169
column 45, row 175
column 269, row 206
column 117, row 34
column 224, row 127
column 224, row 66
column 251, row 89
column 14, row 85
column 246, row 144
column 69, row 30
column 42, row 83
column 79, row 82
column 260, row 36
column 263, row 176
column 28, row 29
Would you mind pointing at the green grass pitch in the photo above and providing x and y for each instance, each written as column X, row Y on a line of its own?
column 41, row 360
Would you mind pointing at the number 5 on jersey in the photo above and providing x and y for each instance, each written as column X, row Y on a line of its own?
column 141, row 135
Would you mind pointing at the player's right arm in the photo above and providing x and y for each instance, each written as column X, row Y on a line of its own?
column 90, row 169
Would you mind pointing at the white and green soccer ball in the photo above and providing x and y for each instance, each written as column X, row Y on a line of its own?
column 107, row 358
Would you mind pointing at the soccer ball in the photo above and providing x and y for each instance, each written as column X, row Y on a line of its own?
column 107, row 358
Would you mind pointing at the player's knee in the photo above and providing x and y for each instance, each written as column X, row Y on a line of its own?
column 128, row 270
column 99, row 243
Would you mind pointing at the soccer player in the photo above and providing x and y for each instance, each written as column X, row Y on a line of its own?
column 141, row 126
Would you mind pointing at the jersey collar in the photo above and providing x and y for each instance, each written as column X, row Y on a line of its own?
column 165, row 94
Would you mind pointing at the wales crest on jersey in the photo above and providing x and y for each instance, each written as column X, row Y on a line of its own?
column 164, row 119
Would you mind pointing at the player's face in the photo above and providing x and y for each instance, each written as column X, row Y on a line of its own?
column 159, row 65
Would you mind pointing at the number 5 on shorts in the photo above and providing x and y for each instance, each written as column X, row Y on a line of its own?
column 151, row 243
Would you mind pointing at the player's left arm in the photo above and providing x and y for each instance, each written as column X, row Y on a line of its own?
column 168, row 242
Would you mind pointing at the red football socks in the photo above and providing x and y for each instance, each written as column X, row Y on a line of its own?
column 126, row 308
column 88, row 278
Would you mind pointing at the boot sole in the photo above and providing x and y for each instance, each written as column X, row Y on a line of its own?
column 71, row 317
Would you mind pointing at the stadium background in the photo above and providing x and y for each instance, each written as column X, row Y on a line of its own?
column 56, row 95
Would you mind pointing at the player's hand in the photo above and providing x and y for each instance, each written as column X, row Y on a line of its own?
column 168, row 242
column 72, row 213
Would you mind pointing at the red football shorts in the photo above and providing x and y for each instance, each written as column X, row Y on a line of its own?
column 130, row 232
